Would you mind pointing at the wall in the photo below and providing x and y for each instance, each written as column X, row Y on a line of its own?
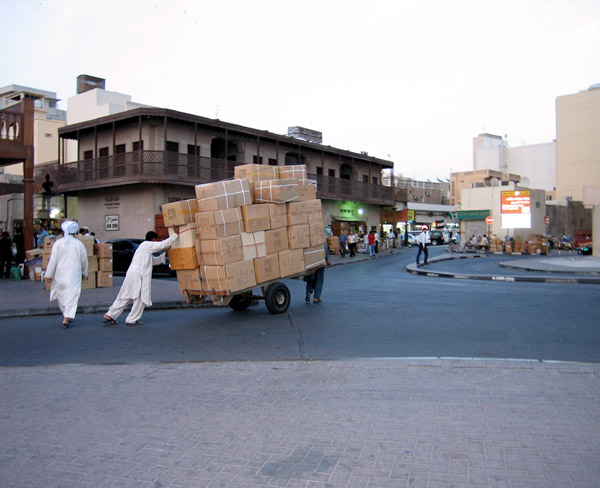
column 134, row 204
column 489, row 198
column 578, row 143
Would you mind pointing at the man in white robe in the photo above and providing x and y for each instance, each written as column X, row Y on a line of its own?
column 137, row 285
column 67, row 266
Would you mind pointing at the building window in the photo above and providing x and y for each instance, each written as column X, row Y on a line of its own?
column 331, row 173
column 272, row 162
column 120, row 149
column 172, row 146
column 103, row 152
column 88, row 154
column 257, row 159
column 374, row 180
column 138, row 145
column 319, row 170
column 365, row 179
column 193, row 150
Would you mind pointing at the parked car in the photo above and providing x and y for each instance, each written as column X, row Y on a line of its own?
column 123, row 250
column 437, row 237
column 412, row 237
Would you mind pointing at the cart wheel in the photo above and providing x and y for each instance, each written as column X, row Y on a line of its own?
column 277, row 298
column 240, row 302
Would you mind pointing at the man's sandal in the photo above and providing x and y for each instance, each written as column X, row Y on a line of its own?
column 137, row 322
column 109, row 320
column 66, row 323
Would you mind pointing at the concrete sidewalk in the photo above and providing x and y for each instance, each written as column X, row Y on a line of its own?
column 434, row 423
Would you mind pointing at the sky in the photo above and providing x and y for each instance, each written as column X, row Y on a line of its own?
column 411, row 81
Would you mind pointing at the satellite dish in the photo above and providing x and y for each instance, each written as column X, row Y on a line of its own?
column 525, row 183
column 494, row 181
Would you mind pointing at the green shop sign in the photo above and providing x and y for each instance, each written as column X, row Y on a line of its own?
column 473, row 214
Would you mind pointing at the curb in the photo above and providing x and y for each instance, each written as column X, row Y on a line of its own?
column 412, row 268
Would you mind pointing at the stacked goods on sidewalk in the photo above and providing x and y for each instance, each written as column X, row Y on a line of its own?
column 100, row 262
column 263, row 225
column 333, row 242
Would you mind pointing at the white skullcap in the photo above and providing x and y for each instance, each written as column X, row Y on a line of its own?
column 69, row 227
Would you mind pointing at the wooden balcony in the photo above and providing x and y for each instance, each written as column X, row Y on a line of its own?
column 163, row 167
column 13, row 148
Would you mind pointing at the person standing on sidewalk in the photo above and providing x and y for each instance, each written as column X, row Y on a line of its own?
column 371, row 243
column 423, row 240
column 67, row 266
column 137, row 285
column 352, row 244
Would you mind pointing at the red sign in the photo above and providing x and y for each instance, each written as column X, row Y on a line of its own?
column 546, row 221
column 489, row 220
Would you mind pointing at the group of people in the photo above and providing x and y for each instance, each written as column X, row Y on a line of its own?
column 68, row 266
column 372, row 241
column 479, row 242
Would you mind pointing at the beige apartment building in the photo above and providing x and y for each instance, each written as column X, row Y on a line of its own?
column 578, row 146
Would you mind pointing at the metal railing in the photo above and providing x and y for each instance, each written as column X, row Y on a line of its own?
column 184, row 169
column 11, row 126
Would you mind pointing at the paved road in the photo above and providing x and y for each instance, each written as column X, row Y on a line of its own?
column 372, row 309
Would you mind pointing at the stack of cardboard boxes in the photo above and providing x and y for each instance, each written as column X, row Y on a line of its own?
column 100, row 262
column 264, row 224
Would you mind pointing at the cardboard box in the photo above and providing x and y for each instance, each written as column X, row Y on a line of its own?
column 45, row 260
column 314, row 257
column 256, row 217
column 105, row 264
column 89, row 282
column 88, row 242
column 179, row 213
column 230, row 278
column 278, row 215
column 218, row 252
column 222, row 195
column 189, row 279
column 103, row 251
column 183, row 258
column 253, row 245
column 276, row 240
column 306, row 192
column 317, row 233
column 275, row 191
column 291, row 262
column 296, row 172
column 33, row 254
column 297, row 213
column 219, row 223
column 49, row 241
column 256, row 172
column 298, row 236
column 267, row 268
column 93, row 264
column 104, row 279
column 314, row 210
column 187, row 235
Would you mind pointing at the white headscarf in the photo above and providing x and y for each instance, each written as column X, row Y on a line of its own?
column 69, row 227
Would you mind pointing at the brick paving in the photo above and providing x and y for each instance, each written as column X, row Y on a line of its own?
column 369, row 423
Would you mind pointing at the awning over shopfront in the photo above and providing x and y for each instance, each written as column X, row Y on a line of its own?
column 348, row 219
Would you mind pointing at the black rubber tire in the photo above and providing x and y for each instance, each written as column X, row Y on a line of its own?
column 277, row 298
column 240, row 302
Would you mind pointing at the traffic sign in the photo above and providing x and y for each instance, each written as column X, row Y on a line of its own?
column 546, row 221
column 489, row 219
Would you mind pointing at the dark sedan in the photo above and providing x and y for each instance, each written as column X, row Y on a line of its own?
column 437, row 237
column 123, row 250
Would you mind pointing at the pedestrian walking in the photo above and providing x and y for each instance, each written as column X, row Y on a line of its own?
column 314, row 282
column 6, row 254
column 137, row 285
column 67, row 266
column 423, row 240
column 391, row 240
column 352, row 243
column 343, row 239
